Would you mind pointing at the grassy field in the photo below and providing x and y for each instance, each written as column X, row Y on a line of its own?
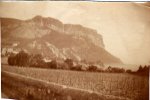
column 123, row 85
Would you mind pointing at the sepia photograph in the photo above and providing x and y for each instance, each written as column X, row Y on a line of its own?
column 75, row 50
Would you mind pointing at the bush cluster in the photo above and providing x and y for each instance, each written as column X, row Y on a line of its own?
column 23, row 59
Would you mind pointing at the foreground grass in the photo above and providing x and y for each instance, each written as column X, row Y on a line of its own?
column 124, row 85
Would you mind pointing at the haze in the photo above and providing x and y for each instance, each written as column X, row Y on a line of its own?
column 125, row 27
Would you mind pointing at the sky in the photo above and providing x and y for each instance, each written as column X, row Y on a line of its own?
column 125, row 26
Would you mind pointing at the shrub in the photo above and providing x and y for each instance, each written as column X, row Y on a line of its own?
column 12, row 60
column 20, row 59
column 92, row 68
column 128, row 71
column 78, row 67
column 69, row 62
column 52, row 64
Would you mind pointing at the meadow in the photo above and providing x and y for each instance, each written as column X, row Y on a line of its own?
column 117, row 84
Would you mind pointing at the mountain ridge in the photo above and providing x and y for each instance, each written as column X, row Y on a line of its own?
column 51, row 37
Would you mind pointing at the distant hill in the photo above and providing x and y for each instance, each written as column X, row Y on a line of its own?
column 54, row 39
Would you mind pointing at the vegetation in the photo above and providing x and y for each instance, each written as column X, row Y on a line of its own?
column 52, row 64
column 144, row 71
column 24, row 59
column 120, row 84
column 20, row 59
column 115, row 70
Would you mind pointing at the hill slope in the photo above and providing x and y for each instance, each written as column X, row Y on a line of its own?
column 54, row 39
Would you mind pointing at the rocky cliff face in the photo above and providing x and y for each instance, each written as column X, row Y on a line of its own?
column 54, row 39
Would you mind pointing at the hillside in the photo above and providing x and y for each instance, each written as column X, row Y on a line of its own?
column 54, row 39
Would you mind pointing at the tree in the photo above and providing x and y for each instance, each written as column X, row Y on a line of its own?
column 109, row 69
column 92, row 68
column 140, row 69
column 128, row 71
column 37, row 61
column 78, row 67
column 144, row 71
column 12, row 60
column 69, row 62
column 115, row 70
column 52, row 64
column 22, row 58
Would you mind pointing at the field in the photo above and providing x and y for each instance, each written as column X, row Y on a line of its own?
column 122, row 85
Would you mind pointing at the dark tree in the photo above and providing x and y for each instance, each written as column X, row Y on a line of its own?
column 118, row 70
column 128, row 71
column 52, row 64
column 12, row 60
column 143, row 71
column 22, row 58
column 69, row 62
column 92, row 68
column 115, row 70
column 109, row 69
column 140, row 69
column 37, row 61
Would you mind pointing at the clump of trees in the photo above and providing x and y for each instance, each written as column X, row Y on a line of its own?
column 92, row 68
column 53, row 64
column 20, row 59
column 115, row 70
column 129, row 71
column 12, row 60
column 36, row 60
column 143, row 70
column 69, row 63
column 23, row 59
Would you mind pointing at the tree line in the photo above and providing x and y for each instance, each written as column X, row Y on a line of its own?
column 143, row 70
column 23, row 59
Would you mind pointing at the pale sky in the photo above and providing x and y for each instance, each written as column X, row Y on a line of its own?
column 125, row 27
